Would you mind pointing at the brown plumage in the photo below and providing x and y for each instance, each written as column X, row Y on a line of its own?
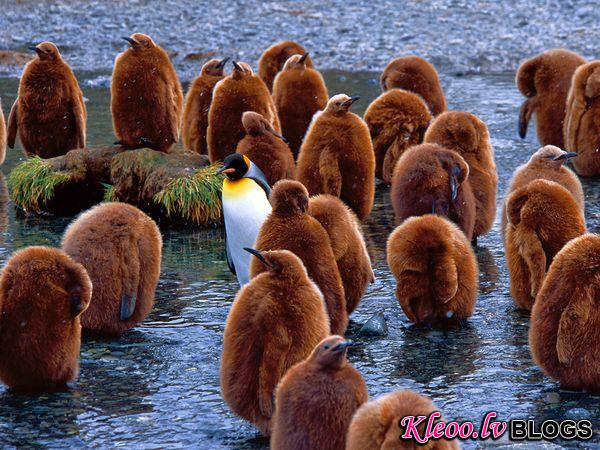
column 468, row 136
column 49, row 113
column 397, row 120
column 316, row 399
column 582, row 120
column 377, row 424
column 414, row 74
column 429, row 179
column 290, row 227
column 563, row 332
column 232, row 96
column 197, row 104
column 298, row 92
column 2, row 135
column 274, row 58
column 547, row 163
column 266, row 148
column 435, row 269
column 337, row 157
column 120, row 247
column 545, row 81
column 348, row 245
column 146, row 96
column 542, row 218
column 42, row 294
column 275, row 322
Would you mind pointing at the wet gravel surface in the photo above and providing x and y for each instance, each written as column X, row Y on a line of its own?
column 456, row 35
column 158, row 385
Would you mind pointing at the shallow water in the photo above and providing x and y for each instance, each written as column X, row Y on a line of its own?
column 159, row 384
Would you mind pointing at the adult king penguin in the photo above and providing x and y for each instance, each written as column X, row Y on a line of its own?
column 245, row 207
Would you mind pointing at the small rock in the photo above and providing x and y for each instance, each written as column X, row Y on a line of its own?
column 375, row 326
column 578, row 414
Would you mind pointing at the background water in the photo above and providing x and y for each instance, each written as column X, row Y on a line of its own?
column 158, row 385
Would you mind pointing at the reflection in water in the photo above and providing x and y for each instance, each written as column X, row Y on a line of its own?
column 488, row 270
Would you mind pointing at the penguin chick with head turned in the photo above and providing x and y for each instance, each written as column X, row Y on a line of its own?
column 565, row 319
column 582, row 120
column 42, row 294
column 266, row 148
column 197, row 104
column 397, row 120
column 120, row 247
column 545, row 81
column 146, row 96
column 245, row 199
column 298, row 92
column 542, row 218
column 347, row 243
column 548, row 163
column 273, row 59
column 337, row 156
column 291, row 227
column 232, row 96
column 275, row 322
column 414, row 74
column 468, row 136
column 435, row 270
column 316, row 399
column 49, row 113
column 2, row 136
column 430, row 179
column 377, row 425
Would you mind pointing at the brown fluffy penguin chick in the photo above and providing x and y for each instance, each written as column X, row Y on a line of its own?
column 2, row 135
column 542, row 218
column 337, row 156
column 239, row 92
column 468, row 136
column 146, row 96
column 414, row 74
column 316, row 399
column 274, row 58
column 197, row 104
column 435, row 270
column 565, row 319
column 397, row 120
column 348, row 245
column 548, row 163
column 42, row 294
column 582, row 120
column 49, row 113
column 291, row 227
column 266, row 148
column 429, row 179
column 275, row 322
column 298, row 92
column 120, row 247
column 377, row 425
column 545, row 81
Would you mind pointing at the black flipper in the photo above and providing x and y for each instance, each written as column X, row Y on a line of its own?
column 146, row 142
column 128, row 305
column 229, row 259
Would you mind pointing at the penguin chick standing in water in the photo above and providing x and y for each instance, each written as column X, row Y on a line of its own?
column 316, row 399
column 290, row 227
column 298, row 92
column 565, row 319
column 337, row 156
column 146, row 96
column 435, row 270
column 49, row 113
column 233, row 95
column 266, row 148
column 542, row 218
column 245, row 199
column 275, row 322
column 197, row 104
column 274, row 58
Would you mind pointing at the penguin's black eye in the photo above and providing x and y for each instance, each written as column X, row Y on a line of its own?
column 339, row 103
column 326, row 346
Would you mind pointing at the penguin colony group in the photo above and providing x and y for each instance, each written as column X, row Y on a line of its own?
column 299, row 177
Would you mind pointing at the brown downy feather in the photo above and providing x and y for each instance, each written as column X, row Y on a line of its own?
column 273, row 59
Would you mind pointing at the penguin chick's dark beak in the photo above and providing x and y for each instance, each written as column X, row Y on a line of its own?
column 344, row 345
column 131, row 41
column 259, row 255
column 77, row 306
column 453, row 188
column 303, row 58
column 39, row 51
column 276, row 134
column 237, row 66
column 222, row 63
column 566, row 155
column 350, row 101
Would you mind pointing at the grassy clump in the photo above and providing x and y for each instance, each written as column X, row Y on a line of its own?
column 33, row 182
column 110, row 194
column 196, row 198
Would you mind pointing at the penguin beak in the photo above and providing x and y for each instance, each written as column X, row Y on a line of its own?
column 454, row 183
column 565, row 155
column 39, row 51
column 259, row 255
column 344, row 345
column 77, row 306
column 237, row 67
column 303, row 58
column 276, row 134
column 349, row 102
column 226, row 170
column 131, row 41
column 222, row 63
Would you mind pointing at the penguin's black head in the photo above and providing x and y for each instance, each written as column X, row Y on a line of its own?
column 235, row 166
